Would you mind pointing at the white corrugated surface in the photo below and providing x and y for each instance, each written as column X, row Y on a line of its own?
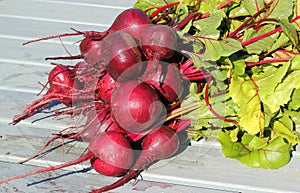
column 200, row 168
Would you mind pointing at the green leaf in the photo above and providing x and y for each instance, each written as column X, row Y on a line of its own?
column 209, row 66
column 198, row 61
column 295, row 116
column 215, row 49
column 280, row 9
column 294, row 103
column 296, row 8
column 256, row 152
column 252, row 6
column 261, row 45
column 188, row 2
column 145, row 4
column 202, row 116
column 234, row 24
column 208, row 26
column 213, row 21
column 286, row 132
column 238, row 65
column 268, row 79
column 283, row 92
column 295, row 63
column 209, row 5
column 245, row 94
column 274, row 155
column 239, row 11
column 290, row 31
column 280, row 42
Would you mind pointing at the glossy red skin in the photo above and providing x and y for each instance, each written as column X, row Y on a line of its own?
column 91, row 50
column 166, row 79
column 97, row 123
column 132, row 21
column 105, row 87
column 137, row 107
column 107, row 169
column 158, row 42
column 114, row 153
column 61, row 80
column 160, row 143
column 122, row 57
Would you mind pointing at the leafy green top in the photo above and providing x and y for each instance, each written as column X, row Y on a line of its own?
column 250, row 49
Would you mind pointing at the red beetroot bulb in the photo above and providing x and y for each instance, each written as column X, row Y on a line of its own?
column 166, row 79
column 137, row 107
column 122, row 56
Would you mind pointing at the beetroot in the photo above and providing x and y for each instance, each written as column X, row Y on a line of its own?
column 61, row 81
column 106, row 147
column 122, row 56
column 158, row 42
column 91, row 50
column 105, row 87
column 137, row 107
column 98, row 122
column 114, row 153
column 166, row 79
column 161, row 143
column 132, row 21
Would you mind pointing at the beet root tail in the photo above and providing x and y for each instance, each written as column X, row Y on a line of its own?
column 82, row 158
column 132, row 174
column 32, row 108
column 65, row 57
column 54, row 138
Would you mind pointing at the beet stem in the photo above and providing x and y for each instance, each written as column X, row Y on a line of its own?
column 183, row 109
column 257, row 38
column 188, row 18
column 162, row 8
column 268, row 61
column 225, row 4
column 212, row 110
column 249, row 19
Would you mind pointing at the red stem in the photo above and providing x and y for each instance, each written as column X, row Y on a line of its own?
column 212, row 110
column 187, row 64
column 162, row 8
column 205, row 15
column 161, row 17
column 197, row 78
column 225, row 4
column 249, row 19
column 268, row 61
column 257, row 38
column 188, row 18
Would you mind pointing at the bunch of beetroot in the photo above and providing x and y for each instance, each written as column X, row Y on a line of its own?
column 127, row 83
